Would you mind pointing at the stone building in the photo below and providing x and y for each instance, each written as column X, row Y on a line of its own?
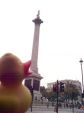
column 73, row 82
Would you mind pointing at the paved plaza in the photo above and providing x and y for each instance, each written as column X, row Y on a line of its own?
column 52, row 111
column 62, row 111
column 47, row 112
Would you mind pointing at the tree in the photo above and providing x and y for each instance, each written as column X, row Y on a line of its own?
column 71, row 91
column 43, row 91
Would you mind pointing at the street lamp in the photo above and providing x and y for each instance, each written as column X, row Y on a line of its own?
column 81, row 61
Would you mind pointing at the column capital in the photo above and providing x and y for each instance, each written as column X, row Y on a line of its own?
column 37, row 20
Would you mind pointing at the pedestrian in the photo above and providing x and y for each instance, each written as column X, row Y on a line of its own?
column 47, row 104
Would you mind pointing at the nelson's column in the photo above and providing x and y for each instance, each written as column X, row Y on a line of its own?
column 34, row 79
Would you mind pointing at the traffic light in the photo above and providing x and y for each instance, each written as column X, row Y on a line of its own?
column 61, row 87
column 73, row 95
column 55, row 87
column 82, row 95
column 31, row 90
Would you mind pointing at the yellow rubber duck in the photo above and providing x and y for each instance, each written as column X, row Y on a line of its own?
column 14, row 96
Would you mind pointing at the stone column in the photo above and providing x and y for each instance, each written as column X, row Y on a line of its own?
column 34, row 78
column 34, row 57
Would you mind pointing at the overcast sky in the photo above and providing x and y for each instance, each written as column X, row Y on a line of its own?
column 61, row 43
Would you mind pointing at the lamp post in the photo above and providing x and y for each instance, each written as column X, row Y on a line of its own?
column 81, row 62
column 31, row 91
column 55, row 89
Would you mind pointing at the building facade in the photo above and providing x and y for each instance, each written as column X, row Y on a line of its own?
column 73, row 82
